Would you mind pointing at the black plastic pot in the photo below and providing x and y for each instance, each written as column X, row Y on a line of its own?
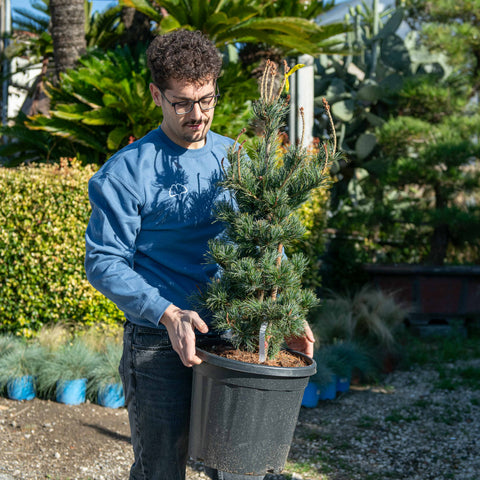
column 243, row 415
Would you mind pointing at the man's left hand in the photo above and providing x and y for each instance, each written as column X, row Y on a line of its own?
column 302, row 344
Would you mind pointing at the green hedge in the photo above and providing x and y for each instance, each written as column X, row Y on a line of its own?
column 44, row 215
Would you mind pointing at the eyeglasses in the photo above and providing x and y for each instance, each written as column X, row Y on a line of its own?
column 186, row 106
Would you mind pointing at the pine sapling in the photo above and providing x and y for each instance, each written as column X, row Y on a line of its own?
column 259, row 285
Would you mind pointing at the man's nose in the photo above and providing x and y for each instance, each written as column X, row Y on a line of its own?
column 196, row 112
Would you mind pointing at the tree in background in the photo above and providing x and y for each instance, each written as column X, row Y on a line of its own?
column 427, row 177
column 68, row 32
column 453, row 27
column 409, row 190
column 32, row 42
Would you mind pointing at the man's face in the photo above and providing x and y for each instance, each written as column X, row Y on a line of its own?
column 189, row 129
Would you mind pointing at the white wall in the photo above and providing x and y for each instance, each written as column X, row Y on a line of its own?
column 16, row 96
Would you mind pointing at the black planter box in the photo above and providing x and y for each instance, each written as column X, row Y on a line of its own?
column 243, row 415
column 435, row 296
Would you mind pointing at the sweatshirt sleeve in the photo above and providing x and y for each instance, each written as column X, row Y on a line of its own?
column 110, row 247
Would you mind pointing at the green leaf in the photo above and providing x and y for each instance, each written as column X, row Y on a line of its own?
column 392, row 25
column 371, row 93
column 343, row 110
column 364, row 145
column 374, row 120
column 117, row 136
column 395, row 54
column 169, row 24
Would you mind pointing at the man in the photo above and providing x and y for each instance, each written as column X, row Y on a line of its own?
column 145, row 245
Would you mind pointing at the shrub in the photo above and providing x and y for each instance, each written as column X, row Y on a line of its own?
column 106, row 371
column 22, row 360
column 369, row 318
column 344, row 358
column 72, row 361
column 44, row 215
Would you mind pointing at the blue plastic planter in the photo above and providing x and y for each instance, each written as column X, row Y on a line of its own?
column 311, row 395
column 72, row 392
column 343, row 384
column 21, row 388
column 111, row 396
column 329, row 391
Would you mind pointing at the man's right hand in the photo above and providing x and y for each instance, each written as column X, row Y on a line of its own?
column 181, row 325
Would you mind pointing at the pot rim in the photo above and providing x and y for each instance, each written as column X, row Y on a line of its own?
column 259, row 369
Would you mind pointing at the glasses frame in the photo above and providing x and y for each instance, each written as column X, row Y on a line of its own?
column 193, row 102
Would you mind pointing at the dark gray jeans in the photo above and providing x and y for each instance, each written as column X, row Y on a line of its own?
column 157, row 390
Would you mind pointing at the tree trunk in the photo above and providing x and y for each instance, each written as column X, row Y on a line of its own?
column 68, row 32
column 441, row 234
column 438, row 245
column 137, row 28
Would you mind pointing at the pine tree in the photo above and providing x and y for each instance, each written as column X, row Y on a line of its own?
column 260, row 286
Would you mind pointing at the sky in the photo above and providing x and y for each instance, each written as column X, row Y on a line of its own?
column 97, row 4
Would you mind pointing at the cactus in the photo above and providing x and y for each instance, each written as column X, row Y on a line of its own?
column 361, row 86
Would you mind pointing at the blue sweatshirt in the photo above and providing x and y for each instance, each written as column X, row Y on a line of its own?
column 151, row 220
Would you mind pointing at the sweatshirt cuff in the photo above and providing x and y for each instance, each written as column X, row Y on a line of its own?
column 154, row 309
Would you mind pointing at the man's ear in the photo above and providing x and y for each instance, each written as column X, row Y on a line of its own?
column 156, row 95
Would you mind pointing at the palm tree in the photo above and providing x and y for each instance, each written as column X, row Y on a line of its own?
column 244, row 21
column 68, row 32
column 32, row 40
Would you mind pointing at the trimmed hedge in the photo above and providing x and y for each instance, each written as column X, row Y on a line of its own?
column 44, row 214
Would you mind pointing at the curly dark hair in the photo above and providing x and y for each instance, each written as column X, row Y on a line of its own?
column 183, row 55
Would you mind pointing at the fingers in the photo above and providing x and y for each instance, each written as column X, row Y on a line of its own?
column 184, row 345
column 303, row 344
column 181, row 326
column 309, row 334
column 309, row 349
column 188, row 355
column 198, row 323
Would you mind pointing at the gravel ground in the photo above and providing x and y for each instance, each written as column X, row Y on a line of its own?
column 414, row 426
